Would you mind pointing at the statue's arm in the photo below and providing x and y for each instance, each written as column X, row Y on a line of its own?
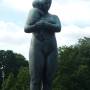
column 31, row 28
column 44, row 24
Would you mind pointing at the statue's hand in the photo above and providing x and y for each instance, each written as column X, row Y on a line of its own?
column 40, row 22
column 43, row 22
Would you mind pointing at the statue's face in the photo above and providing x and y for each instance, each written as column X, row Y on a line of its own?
column 46, row 4
column 42, row 4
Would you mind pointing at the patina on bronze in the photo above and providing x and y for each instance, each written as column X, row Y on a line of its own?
column 43, row 48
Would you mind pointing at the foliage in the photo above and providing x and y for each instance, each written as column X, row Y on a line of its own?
column 22, row 82
column 11, row 63
column 8, row 84
column 74, row 65
column 72, row 74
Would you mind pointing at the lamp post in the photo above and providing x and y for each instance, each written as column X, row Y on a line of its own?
column 2, row 67
column 3, row 74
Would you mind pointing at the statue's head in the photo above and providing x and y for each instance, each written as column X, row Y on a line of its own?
column 44, row 5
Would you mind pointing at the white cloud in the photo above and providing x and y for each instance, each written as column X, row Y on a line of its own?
column 21, row 5
column 74, row 16
column 70, row 11
column 12, row 37
column 69, row 35
column 73, row 12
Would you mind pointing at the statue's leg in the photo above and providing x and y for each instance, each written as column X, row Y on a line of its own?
column 36, row 69
column 51, row 67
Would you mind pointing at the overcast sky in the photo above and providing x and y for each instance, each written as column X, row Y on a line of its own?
column 74, row 16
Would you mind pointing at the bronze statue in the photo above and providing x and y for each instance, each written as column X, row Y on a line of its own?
column 43, row 49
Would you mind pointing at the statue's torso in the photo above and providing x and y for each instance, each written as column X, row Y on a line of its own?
column 43, row 42
column 42, row 35
column 44, row 39
column 45, row 34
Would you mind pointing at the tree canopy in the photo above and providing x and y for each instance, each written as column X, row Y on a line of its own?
column 73, row 67
column 72, row 74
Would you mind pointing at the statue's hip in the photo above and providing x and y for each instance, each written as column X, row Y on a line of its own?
column 47, row 44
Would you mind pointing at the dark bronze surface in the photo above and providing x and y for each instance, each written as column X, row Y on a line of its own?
column 43, row 48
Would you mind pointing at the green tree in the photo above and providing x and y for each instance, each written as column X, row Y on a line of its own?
column 2, row 67
column 15, row 61
column 9, row 83
column 74, row 65
column 72, row 74
column 21, row 82
column 23, row 79
column 11, row 63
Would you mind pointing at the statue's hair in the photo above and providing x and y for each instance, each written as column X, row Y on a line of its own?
column 37, row 4
column 40, row 4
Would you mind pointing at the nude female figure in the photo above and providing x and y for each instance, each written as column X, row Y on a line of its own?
column 43, row 48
